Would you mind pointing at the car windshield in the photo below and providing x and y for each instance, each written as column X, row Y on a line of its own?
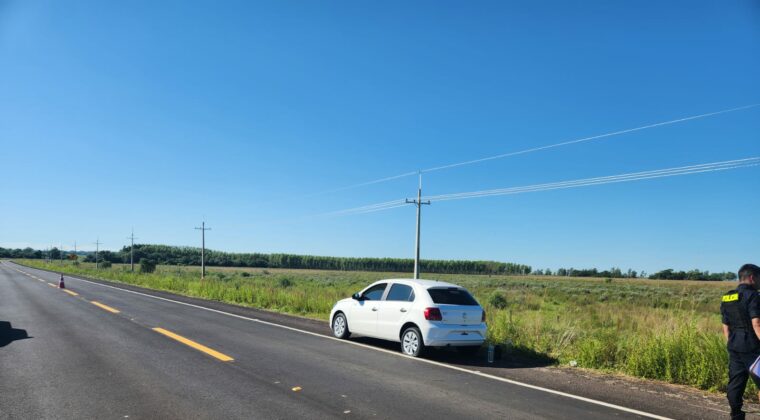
column 452, row 296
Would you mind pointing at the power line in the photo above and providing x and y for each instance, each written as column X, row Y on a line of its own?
column 368, row 208
column 587, row 139
column 635, row 176
column 535, row 149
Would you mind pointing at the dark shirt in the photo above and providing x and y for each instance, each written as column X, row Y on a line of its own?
column 743, row 339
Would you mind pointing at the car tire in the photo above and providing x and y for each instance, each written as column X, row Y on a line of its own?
column 411, row 342
column 340, row 326
column 468, row 351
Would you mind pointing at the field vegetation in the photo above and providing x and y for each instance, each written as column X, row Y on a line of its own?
column 666, row 330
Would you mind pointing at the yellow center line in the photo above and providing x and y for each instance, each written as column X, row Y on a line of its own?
column 71, row 293
column 106, row 307
column 193, row 344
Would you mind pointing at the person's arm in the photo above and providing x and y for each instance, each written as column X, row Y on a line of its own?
column 754, row 312
column 756, row 327
column 725, row 328
column 724, row 321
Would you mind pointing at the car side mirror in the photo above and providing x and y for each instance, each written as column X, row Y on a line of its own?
column 356, row 296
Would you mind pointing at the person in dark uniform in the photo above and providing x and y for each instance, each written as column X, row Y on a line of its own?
column 740, row 311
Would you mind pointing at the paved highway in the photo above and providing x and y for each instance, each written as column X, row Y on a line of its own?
column 108, row 353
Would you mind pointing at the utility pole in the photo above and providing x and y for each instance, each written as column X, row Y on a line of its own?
column 97, row 248
column 60, row 252
column 419, row 203
column 131, row 251
column 203, row 230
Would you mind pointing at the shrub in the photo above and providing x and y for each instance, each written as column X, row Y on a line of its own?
column 147, row 265
column 245, row 274
column 284, row 282
column 497, row 300
column 104, row 264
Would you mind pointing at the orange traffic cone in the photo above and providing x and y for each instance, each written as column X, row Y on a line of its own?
column 60, row 283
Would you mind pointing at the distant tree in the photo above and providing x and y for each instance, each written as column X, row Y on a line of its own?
column 55, row 254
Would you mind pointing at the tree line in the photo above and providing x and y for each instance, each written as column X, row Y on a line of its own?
column 189, row 256
column 617, row 273
column 614, row 272
column 671, row 274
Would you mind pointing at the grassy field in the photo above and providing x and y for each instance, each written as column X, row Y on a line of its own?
column 667, row 330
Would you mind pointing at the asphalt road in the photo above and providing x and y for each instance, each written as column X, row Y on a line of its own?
column 63, row 356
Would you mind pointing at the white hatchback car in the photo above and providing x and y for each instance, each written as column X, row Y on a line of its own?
column 416, row 313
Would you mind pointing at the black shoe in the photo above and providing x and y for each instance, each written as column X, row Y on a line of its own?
column 738, row 416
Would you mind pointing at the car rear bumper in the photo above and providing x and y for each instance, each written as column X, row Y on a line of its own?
column 441, row 335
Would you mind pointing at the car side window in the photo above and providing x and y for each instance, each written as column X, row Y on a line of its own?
column 375, row 292
column 400, row 292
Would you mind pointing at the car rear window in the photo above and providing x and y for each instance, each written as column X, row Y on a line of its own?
column 451, row 296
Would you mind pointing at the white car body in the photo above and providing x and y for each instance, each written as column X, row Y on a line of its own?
column 386, row 315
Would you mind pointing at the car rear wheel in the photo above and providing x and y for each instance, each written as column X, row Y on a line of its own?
column 411, row 342
column 340, row 326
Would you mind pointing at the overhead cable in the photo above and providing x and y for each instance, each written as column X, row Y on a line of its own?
column 536, row 149
column 634, row 176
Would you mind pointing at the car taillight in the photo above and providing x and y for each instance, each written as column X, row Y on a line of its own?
column 483, row 318
column 433, row 314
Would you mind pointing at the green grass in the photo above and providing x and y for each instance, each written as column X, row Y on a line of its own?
column 666, row 330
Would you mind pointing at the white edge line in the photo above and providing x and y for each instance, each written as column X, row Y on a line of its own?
column 432, row 362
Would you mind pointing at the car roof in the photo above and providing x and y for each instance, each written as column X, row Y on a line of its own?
column 427, row 284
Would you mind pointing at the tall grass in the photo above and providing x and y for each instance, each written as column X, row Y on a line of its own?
column 666, row 330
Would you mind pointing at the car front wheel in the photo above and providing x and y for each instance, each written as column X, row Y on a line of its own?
column 340, row 326
column 411, row 342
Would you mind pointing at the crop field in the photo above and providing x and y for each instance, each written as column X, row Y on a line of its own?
column 666, row 330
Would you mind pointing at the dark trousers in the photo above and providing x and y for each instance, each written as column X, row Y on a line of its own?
column 738, row 374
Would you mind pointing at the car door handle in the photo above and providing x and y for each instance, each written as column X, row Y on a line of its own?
column 374, row 309
column 403, row 309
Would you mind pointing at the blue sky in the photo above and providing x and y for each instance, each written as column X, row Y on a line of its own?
column 158, row 114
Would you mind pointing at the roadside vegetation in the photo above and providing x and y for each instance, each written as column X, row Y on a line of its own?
column 189, row 256
column 666, row 330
